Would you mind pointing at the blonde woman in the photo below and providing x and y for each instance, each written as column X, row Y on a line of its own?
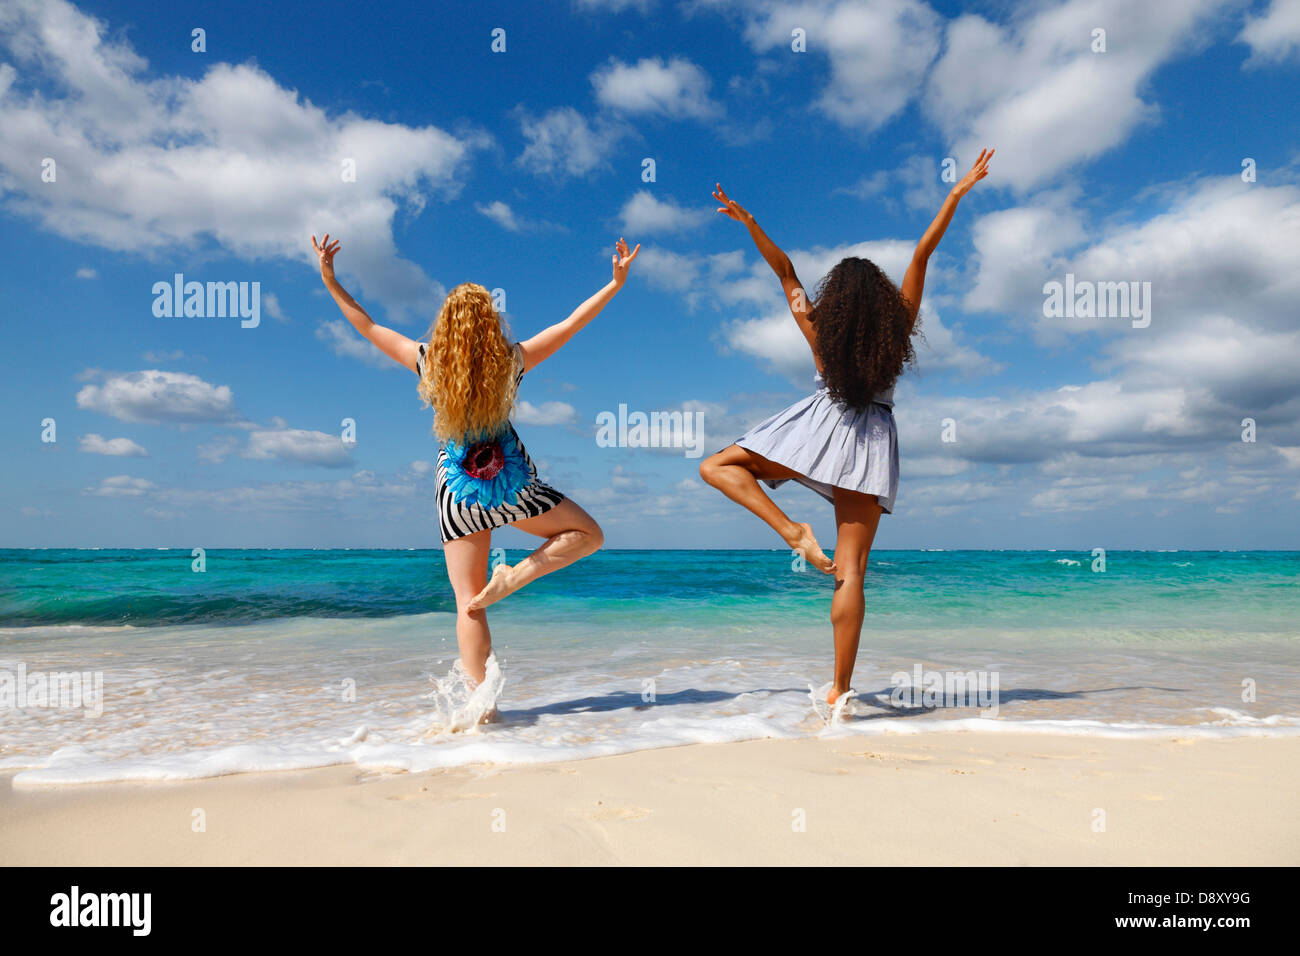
column 470, row 372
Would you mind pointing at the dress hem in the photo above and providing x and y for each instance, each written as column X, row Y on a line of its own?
column 816, row 484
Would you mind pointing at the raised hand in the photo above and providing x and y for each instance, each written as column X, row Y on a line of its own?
column 623, row 259
column 914, row 280
column 730, row 207
column 325, row 252
column 977, row 172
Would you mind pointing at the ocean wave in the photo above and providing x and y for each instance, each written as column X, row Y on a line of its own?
column 75, row 765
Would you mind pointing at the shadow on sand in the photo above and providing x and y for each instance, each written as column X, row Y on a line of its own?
column 628, row 700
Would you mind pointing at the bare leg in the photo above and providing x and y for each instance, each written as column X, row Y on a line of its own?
column 857, row 516
column 467, row 563
column 735, row 472
column 570, row 534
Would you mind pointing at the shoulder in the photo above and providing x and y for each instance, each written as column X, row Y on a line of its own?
column 419, row 358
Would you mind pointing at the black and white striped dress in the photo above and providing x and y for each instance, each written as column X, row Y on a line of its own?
column 488, row 482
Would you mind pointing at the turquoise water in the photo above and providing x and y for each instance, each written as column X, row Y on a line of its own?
column 242, row 666
column 1235, row 591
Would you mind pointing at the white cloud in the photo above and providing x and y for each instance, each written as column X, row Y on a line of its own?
column 157, row 164
column 1273, row 36
column 301, row 497
column 119, row 447
column 505, row 217
column 776, row 340
column 271, row 302
column 298, row 445
column 878, row 50
column 155, row 397
column 691, row 275
column 547, row 413
column 563, row 142
column 162, row 356
column 344, row 340
column 937, row 349
column 1036, row 91
column 916, row 181
column 85, row 272
column 500, row 213
column 644, row 214
column 1104, row 430
column 936, row 466
column 677, row 89
column 122, row 486
column 1222, row 246
column 1220, row 261
column 218, row 449
column 1070, row 495
column 1017, row 250
column 666, row 269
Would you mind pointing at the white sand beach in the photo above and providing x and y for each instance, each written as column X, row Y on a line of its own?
column 928, row 798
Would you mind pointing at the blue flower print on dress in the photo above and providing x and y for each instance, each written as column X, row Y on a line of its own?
column 488, row 472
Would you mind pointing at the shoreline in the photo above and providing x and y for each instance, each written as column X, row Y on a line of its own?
column 936, row 797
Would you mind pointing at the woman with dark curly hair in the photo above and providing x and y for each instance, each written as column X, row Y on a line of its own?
column 840, row 441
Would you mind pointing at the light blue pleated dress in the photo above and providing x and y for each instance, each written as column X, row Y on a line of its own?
column 833, row 446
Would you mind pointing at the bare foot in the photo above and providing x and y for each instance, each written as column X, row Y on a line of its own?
column 839, row 703
column 801, row 539
column 497, row 588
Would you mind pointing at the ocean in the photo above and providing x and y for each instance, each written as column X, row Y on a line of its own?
column 286, row 659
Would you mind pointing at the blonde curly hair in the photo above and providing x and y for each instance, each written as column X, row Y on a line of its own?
column 470, row 370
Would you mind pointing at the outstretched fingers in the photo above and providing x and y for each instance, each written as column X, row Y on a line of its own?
column 325, row 249
column 622, row 257
column 729, row 206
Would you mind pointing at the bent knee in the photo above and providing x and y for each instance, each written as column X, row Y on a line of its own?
column 462, row 603
column 850, row 569
column 711, row 469
column 595, row 538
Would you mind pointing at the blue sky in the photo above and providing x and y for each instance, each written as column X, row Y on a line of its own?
column 519, row 170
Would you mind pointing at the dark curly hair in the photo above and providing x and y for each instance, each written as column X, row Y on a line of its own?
column 864, row 331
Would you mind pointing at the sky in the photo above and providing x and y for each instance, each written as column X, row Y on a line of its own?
column 1151, row 144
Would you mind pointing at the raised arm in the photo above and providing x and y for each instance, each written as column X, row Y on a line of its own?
column 914, row 281
column 795, row 296
column 395, row 345
column 548, row 341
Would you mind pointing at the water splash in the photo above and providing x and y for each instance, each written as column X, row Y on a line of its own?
column 459, row 704
column 831, row 713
